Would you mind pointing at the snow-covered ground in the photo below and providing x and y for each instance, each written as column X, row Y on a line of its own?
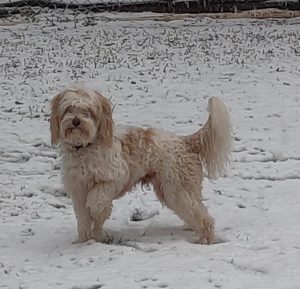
column 87, row 2
column 157, row 74
column 110, row 1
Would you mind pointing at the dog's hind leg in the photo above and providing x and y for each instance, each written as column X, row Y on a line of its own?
column 189, row 207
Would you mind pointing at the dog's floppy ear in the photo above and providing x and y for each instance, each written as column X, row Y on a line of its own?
column 106, row 124
column 54, row 119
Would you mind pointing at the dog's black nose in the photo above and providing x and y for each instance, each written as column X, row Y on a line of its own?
column 76, row 121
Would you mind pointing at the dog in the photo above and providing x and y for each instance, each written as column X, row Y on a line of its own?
column 102, row 161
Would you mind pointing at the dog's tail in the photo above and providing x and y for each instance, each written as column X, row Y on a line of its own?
column 214, row 140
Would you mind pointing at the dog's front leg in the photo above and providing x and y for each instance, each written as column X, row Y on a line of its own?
column 83, row 217
column 99, row 202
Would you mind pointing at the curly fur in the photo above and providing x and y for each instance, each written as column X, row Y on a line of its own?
column 101, row 161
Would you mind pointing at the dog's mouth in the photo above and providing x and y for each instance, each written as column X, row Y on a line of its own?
column 76, row 134
column 76, row 138
column 72, row 130
column 78, row 147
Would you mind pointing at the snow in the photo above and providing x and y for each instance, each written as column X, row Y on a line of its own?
column 157, row 74
column 86, row 2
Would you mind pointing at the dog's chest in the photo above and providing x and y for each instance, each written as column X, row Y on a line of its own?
column 76, row 174
column 85, row 169
column 92, row 165
column 84, row 166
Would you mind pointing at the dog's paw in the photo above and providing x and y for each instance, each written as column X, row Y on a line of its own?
column 207, row 234
column 206, row 241
column 84, row 234
column 81, row 240
column 98, row 236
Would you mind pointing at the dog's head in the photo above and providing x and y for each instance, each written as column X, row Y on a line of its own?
column 80, row 117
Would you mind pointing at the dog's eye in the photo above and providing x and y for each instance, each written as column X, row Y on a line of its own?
column 86, row 113
column 69, row 109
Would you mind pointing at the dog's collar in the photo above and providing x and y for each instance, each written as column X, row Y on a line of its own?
column 77, row 148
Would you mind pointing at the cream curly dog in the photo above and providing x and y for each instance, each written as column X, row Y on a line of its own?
column 101, row 161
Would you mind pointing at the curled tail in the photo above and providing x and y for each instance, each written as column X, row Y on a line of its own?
column 214, row 140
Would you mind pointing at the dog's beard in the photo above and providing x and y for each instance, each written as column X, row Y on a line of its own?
column 78, row 136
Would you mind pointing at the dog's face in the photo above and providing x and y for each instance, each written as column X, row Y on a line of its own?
column 80, row 117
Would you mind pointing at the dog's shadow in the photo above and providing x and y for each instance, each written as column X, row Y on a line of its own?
column 146, row 239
